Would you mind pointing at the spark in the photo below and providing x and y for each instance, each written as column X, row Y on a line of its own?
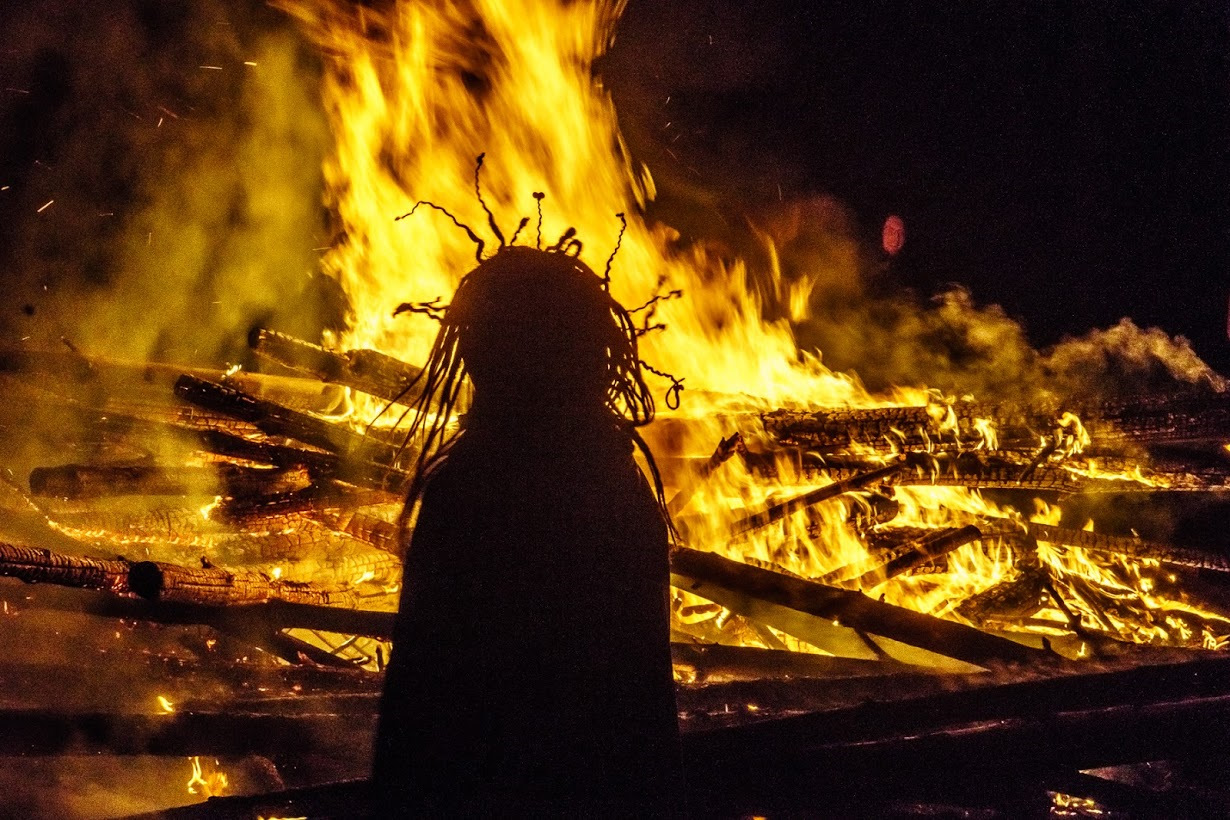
column 46, row 206
column 212, row 67
column 249, row 62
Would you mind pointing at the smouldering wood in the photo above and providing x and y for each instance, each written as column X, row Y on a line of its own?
column 35, row 565
column 215, row 585
column 369, row 529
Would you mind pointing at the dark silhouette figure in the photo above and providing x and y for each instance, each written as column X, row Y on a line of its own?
column 531, row 670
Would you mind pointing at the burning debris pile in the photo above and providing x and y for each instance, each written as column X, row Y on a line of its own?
column 247, row 504
column 204, row 564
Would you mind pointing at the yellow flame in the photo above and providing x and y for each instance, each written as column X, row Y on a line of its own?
column 165, row 704
column 208, row 509
column 211, row 784
column 415, row 91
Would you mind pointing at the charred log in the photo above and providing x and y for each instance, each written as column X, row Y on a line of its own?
column 34, row 565
column 273, row 419
column 214, row 585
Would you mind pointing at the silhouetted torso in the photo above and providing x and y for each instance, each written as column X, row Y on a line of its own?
column 531, row 665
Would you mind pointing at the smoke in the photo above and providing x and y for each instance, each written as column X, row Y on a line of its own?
column 860, row 320
column 163, row 173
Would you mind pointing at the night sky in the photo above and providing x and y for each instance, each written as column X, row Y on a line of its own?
column 1067, row 161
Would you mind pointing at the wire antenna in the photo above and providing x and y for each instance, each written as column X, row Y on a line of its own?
column 606, row 274
column 672, row 392
column 478, row 191
column 539, row 195
column 525, row 220
column 568, row 234
column 478, row 253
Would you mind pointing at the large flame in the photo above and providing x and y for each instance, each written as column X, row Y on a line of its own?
column 415, row 91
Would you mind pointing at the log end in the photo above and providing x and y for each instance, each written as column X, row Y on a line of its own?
column 145, row 579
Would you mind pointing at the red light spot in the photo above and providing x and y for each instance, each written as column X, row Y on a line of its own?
column 893, row 235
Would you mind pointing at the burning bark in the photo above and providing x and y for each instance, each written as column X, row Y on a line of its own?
column 214, row 585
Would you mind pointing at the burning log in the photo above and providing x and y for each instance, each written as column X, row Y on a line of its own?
column 932, row 545
column 214, row 585
column 369, row 371
column 1131, row 547
column 34, row 565
column 981, row 469
column 275, row 420
column 726, row 448
column 369, row 529
column 755, row 592
column 83, row 481
column 893, row 429
column 777, row 512
column 1150, row 421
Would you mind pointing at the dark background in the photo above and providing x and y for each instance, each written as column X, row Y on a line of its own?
column 1065, row 160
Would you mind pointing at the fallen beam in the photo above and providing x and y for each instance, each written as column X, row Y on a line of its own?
column 814, row 608
column 214, row 585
